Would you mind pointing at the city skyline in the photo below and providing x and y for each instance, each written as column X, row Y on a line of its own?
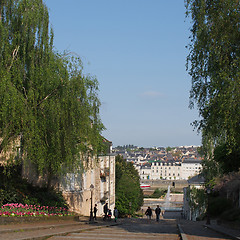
column 136, row 50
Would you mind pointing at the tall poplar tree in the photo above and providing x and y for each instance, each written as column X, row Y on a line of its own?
column 129, row 195
column 44, row 97
column 214, row 65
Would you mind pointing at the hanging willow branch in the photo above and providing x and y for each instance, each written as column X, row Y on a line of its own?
column 14, row 54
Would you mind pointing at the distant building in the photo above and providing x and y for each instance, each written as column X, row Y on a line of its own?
column 154, row 164
column 145, row 171
column 165, row 170
column 190, row 167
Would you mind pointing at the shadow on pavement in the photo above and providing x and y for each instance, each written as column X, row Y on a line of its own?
column 144, row 225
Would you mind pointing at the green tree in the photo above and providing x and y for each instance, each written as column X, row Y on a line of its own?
column 197, row 200
column 44, row 97
column 168, row 149
column 129, row 195
column 213, row 64
column 229, row 161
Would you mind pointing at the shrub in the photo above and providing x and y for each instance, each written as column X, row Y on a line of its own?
column 14, row 189
column 231, row 215
column 218, row 205
column 157, row 193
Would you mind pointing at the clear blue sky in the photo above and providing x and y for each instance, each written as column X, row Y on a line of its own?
column 136, row 49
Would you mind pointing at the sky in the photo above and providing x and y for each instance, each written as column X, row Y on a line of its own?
column 136, row 50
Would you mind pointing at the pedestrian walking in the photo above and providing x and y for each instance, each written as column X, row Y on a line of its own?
column 105, row 210
column 95, row 212
column 157, row 211
column 149, row 213
column 115, row 214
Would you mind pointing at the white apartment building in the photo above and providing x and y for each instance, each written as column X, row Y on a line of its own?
column 162, row 170
column 171, row 170
column 145, row 171
column 190, row 167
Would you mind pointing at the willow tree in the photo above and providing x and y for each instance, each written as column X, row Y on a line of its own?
column 214, row 65
column 44, row 97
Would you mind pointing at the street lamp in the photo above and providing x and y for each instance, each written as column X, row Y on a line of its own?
column 91, row 210
column 208, row 214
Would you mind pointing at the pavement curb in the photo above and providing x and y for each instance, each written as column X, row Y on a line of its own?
column 182, row 233
column 28, row 219
column 39, row 227
column 221, row 231
column 85, row 226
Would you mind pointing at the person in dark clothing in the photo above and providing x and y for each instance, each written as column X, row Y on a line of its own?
column 109, row 214
column 105, row 210
column 95, row 212
column 115, row 214
column 157, row 211
column 149, row 213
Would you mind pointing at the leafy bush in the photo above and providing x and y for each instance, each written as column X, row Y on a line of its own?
column 157, row 193
column 14, row 189
column 231, row 215
column 217, row 205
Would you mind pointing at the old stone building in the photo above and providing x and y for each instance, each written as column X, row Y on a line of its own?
column 92, row 184
column 97, row 182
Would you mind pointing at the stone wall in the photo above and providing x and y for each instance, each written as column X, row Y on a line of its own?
column 178, row 184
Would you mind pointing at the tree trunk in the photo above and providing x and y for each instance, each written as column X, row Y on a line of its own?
column 49, row 183
column 49, row 179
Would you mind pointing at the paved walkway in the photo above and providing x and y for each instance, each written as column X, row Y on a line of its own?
column 44, row 230
column 200, row 231
column 168, row 228
column 140, row 229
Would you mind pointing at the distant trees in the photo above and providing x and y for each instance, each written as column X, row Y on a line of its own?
column 168, row 149
column 45, row 100
column 129, row 196
column 214, row 65
column 126, row 147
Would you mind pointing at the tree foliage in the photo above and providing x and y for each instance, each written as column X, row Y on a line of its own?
column 15, row 189
column 44, row 97
column 213, row 64
column 129, row 196
column 228, row 187
column 196, row 200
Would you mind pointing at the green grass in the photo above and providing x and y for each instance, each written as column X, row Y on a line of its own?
column 157, row 193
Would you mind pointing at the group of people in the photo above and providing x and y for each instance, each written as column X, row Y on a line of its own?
column 107, row 212
column 157, row 212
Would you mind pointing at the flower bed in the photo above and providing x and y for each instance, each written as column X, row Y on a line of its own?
column 21, row 210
